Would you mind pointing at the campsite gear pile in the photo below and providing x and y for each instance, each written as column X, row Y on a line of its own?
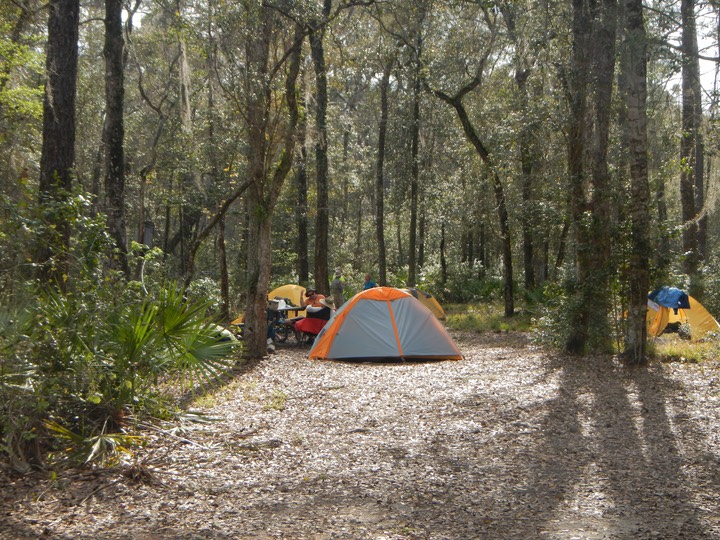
column 378, row 323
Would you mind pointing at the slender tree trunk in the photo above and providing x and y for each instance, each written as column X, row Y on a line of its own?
column 414, row 164
column 58, row 147
column 202, row 235
column 114, row 133
column 322, row 223
column 691, row 155
column 635, row 70
column 421, row 239
column 443, row 260
column 498, row 190
column 527, row 158
column 400, row 253
column 224, row 277
column 380, row 173
column 301, row 208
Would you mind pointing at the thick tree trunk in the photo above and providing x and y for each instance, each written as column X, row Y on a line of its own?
column 635, row 74
column 264, row 187
column 593, row 58
column 114, row 133
column 58, row 147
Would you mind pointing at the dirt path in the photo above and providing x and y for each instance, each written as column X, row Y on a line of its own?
column 508, row 443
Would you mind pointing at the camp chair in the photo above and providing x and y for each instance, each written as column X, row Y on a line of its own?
column 307, row 328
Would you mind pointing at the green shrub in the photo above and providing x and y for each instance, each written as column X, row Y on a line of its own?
column 77, row 366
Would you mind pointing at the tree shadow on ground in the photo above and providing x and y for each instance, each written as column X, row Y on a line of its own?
column 608, row 436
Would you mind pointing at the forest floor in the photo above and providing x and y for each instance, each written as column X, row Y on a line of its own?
column 509, row 443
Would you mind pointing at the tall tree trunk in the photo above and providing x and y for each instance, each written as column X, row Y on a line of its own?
column 498, row 190
column 592, row 61
column 264, row 187
column 58, row 147
column 635, row 74
column 380, row 173
column 414, row 163
column 224, row 277
column 421, row 238
column 301, row 207
column 322, row 223
column 114, row 133
column 527, row 158
column 443, row 259
column 691, row 155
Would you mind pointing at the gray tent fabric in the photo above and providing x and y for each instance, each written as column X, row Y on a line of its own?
column 384, row 322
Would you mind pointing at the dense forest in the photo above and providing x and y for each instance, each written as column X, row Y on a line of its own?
column 165, row 163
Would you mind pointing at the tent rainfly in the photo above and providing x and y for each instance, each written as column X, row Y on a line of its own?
column 671, row 305
column 384, row 323
column 429, row 301
column 294, row 293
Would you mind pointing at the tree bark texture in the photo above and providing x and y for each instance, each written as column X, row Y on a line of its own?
column 691, row 155
column 322, row 223
column 58, row 147
column 635, row 75
column 268, row 165
column 114, row 133
column 592, row 68
column 380, row 173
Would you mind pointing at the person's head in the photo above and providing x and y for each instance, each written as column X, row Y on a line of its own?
column 338, row 272
column 368, row 277
column 310, row 292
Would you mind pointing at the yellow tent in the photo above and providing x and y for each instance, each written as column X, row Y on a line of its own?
column 429, row 301
column 697, row 317
column 294, row 293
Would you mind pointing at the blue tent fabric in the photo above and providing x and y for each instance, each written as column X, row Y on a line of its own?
column 670, row 297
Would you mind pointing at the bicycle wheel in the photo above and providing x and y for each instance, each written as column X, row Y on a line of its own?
column 281, row 332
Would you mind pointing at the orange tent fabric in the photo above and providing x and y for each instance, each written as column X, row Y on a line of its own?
column 384, row 322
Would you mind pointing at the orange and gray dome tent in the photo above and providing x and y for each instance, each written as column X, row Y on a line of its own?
column 384, row 323
column 428, row 300
column 671, row 305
